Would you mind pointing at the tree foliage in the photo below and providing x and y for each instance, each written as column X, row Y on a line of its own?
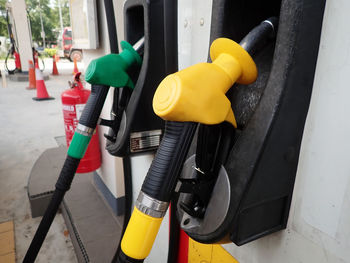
column 3, row 24
column 50, row 16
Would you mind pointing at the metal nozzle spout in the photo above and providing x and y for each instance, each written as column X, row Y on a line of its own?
column 139, row 45
column 258, row 37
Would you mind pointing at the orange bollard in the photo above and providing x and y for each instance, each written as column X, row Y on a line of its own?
column 31, row 74
column 54, row 66
column 75, row 70
column 41, row 92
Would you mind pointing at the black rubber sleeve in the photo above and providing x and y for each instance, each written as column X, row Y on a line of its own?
column 122, row 258
column 258, row 37
column 66, row 176
column 112, row 29
column 93, row 107
column 63, row 184
column 206, row 152
column 162, row 176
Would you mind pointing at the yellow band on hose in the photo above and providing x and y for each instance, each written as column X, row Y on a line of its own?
column 140, row 234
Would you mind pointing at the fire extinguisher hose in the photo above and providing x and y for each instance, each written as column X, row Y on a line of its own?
column 85, row 129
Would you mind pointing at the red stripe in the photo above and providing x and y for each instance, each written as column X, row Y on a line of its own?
column 182, row 256
column 183, row 248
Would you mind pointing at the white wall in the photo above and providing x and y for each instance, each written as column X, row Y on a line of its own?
column 194, row 20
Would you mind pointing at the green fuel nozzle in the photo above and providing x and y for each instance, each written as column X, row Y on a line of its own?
column 102, row 73
column 110, row 70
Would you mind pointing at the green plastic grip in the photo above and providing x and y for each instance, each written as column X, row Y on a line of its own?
column 78, row 145
column 110, row 70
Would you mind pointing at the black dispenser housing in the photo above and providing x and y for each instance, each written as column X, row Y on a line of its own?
column 140, row 129
column 271, row 113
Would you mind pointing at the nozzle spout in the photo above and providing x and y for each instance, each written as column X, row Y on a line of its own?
column 257, row 38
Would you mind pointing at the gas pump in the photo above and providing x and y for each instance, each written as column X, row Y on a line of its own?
column 140, row 129
column 13, row 51
column 250, row 170
column 259, row 170
column 175, row 101
column 240, row 165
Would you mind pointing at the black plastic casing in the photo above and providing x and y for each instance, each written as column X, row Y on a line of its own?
column 270, row 113
column 146, row 18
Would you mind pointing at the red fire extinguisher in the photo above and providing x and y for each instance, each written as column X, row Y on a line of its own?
column 17, row 61
column 73, row 101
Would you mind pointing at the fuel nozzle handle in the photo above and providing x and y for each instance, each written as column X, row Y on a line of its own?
column 185, row 98
column 197, row 93
column 209, row 136
column 110, row 70
column 215, row 141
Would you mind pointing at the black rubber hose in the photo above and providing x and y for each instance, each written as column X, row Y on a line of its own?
column 162, row 176
column 122, row 258
column 113, row 44
column 6, row 60
column 88, row 118
column 94, row 105
column 63, row 184
column 125, row 95
column 127, row 204
column 112, row 30
column 170, row 36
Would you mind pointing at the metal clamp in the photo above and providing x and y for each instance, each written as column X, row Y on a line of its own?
column 151, row 206
column 84, row 130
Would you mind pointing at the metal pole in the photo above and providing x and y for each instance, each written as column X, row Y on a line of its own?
column 42, row 26
column 60, row 11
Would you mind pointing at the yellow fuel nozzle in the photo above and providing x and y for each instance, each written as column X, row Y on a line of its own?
column 197, row 93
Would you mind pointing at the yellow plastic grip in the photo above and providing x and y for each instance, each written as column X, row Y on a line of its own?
column 140, row 234
column 197, row 93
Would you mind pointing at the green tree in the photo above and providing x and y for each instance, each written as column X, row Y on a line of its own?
column 3, row 24
column 50, row 17
column 65, row 12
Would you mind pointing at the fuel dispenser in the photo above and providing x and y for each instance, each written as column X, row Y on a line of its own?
column 13, row 51
column 256, row 178
column 140, row 129
column 238, row 185
column 234, row 171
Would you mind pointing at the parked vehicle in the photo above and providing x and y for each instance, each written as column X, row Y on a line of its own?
column 65, row 46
